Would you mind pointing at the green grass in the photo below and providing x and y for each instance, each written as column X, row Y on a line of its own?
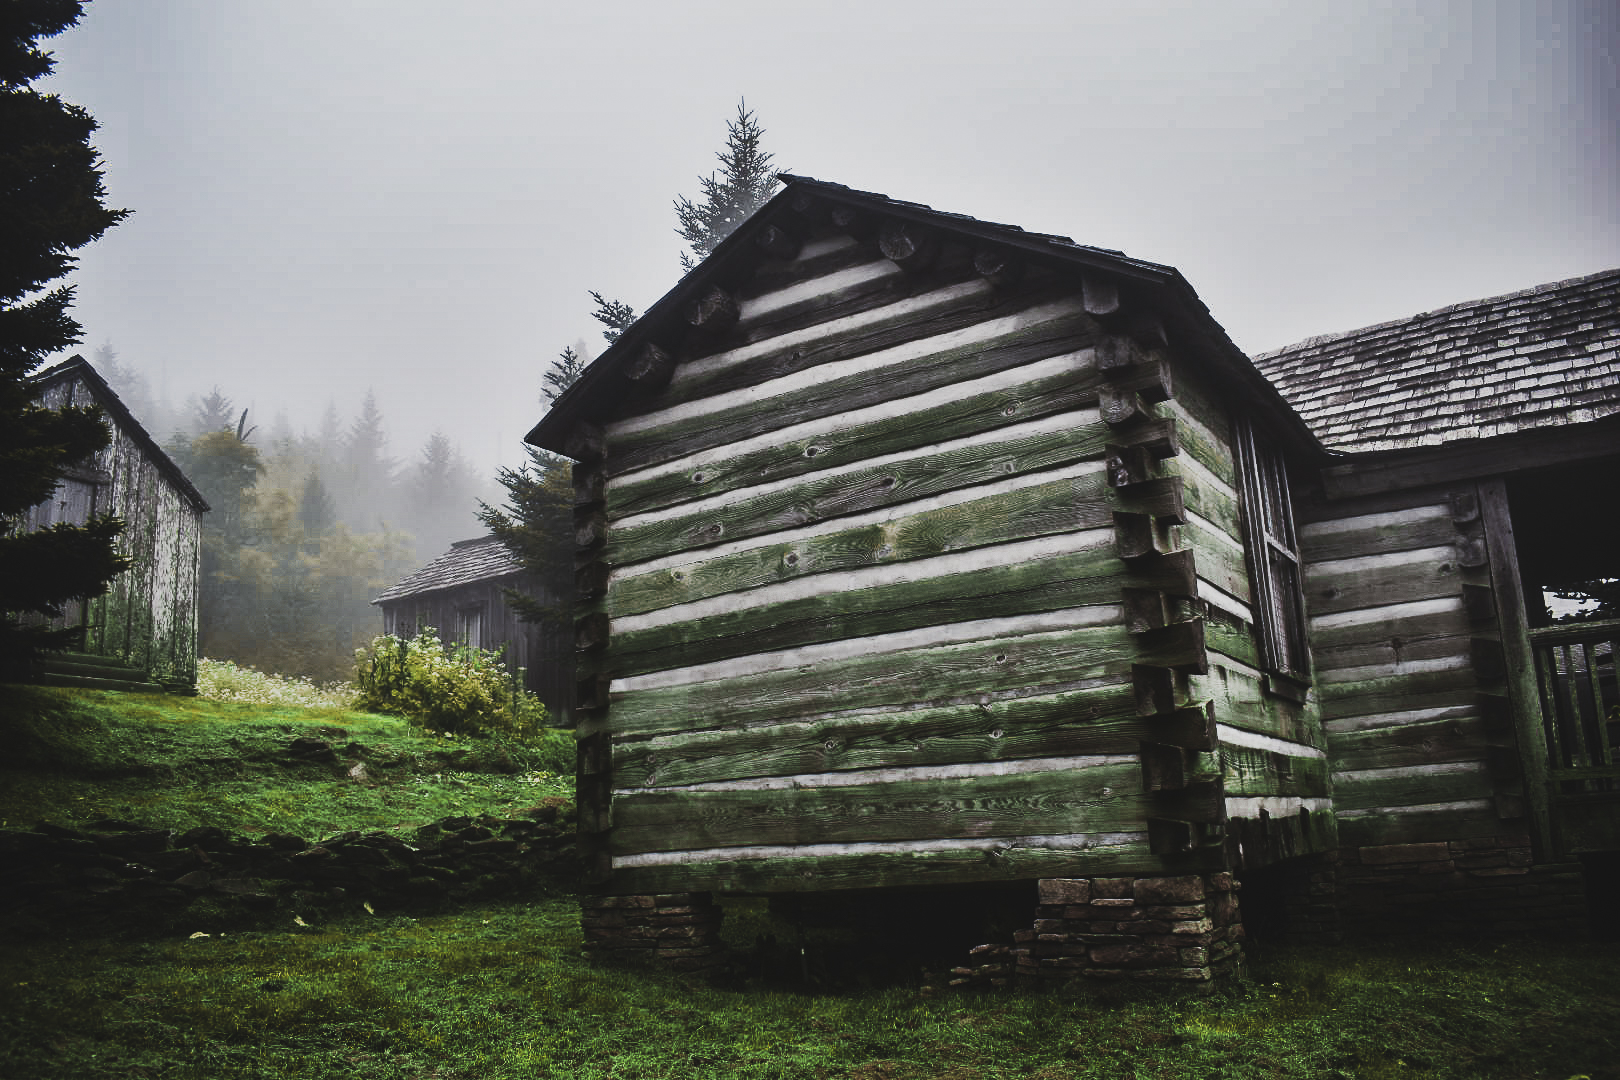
column 500, row 992
column 497, row 992
column 179, row 762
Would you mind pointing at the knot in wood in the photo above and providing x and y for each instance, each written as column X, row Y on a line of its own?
column 1001, row 658
column 792, row 558
column 997, row 733
column 699, row 477
column 830, row 745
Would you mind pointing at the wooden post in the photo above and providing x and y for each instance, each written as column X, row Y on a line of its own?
column 1520, row 665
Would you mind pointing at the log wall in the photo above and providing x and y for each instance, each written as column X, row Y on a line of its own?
column 880, row 586
column 148, row 616
column 1272, row 749
column 1411, row 669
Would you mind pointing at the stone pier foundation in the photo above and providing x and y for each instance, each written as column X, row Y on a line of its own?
column 680, row 931
column 1182, row 929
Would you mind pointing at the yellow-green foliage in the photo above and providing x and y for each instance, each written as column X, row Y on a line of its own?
column 449, row 688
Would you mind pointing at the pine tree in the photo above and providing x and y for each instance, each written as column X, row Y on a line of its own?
column 745, row 183
column 53, row 206
column 561, row 375
column 536, row 525
column 616, row 315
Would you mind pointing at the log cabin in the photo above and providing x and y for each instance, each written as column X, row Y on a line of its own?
column 926, row 555
column 142, row 632
column 462, row 594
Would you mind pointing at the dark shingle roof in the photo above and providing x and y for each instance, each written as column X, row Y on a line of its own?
column 1545, row 357
column 596, row 390
column 467, row 561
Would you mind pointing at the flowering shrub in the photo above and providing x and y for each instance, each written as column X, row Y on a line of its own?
column 221, row 680
column 452, row 689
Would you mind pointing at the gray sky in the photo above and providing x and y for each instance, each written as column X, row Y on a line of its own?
column 414, row 197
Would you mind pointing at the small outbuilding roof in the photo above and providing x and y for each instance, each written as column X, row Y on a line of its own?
column 1544, row 357
column 79, row 368
column 484, row 558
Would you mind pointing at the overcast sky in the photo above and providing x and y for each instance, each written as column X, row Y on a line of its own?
column 414, row 197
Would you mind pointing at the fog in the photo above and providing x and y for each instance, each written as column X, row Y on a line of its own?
column 414, row 198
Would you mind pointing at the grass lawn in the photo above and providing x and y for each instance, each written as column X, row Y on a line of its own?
column 492, row 992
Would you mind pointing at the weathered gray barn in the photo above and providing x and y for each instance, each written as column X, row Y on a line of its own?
column 147, row 619
column 462, row 595
column 919, row 551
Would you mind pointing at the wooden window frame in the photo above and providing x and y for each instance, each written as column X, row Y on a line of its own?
column 1276, row 573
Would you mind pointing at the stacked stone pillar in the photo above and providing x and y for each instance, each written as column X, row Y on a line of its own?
column 1182, row 930
column 679, row 931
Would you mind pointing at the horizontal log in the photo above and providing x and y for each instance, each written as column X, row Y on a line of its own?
column 860, row 381
column 1101, row 293
column 1179, row 646
column 1241, row 702
column 590, row 527
column 714, row 312
column 1154, row 688
column 1160, row 499
column 1071, row 504
column 1129, row 465
column 1397, row 693
column 1097, row 720
column 1417, row 785
column 820, row 299
column 857, row 868
column 1376, row 534
column 1418, row 826
column 1117, row 405
column 1220, row 561
column 909, row 319
column 590, row 485
column 1077, row 579
column 1248, row 771
column 1103, row 798
column 1203, row 494
column 1426, row 742
column 836, row 442
column 822, row 498
column 1377, row 580
column 911, row 677
column 1209, row 449
column 1413, row 622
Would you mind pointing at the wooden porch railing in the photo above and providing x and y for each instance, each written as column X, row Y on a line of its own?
column 1580, row 704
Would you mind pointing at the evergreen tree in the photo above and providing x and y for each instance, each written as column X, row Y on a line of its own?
column 536, row 525
column 366, row 491
column 317, row 513
column 441, row 497
column 745, row 183
column 563, row 372
column 53, row 206
column 212, row 412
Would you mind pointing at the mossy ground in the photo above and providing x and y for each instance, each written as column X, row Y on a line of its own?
column 496, row 992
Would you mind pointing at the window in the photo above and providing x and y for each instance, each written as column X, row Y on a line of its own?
column 1268, row 521
column 470, row 631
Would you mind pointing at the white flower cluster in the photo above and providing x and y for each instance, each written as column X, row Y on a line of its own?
column 221, row 680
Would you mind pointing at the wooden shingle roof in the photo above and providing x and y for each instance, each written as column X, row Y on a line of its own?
column 467, row 561
column 1544, row 357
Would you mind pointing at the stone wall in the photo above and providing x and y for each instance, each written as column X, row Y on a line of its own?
column 1183, row 929
column 117, row 872
column 675, row 930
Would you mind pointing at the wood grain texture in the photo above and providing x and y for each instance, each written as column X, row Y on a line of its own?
column 834, row 441
column 1417, row 785
column 1429, row 742
column 1376, row 534
column 1395, row 693
column 1069, row 504
column 1006, row 860
column 1103, row 798
column 1247, row 771
column 1418, row 825
column 1097, row 720
column 1076, row 579
column 955, row 357
column 912, row 676
column 825, row 497
column 1370, row 580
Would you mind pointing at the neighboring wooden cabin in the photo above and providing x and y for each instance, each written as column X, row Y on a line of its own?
column 912, row 555
column 462, row 595
column 147, row 619
column 1472, row 738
